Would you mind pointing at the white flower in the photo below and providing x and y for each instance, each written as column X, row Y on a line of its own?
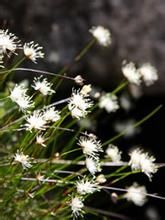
column 101, row 179
column 142, row 161
column 86, row 89
column 136, row 194
column 131, row 73
column 93, row 165
column 85, row 186
column 113, row 153
column 8, row 42
column 41, row 84
column 35, row 121
column 79, row 80
column 19, row 96
column 79, row 105
column 50, row 114
column 23, row 159
column 148, row 73
column 76, row 206
column 40, row 140
column 90, row 146
column 33, row 51
column 102, row 35
column 109, row 102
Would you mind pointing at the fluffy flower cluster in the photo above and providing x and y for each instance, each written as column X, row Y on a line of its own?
column 91, row 148
column 113, row 153
column 136, row 194
column 77, row 206
column 8, row 43
column 79, row 104
column 19, row 96
column 23, row 159
column 90, row 145
column 146, row 72
column 33, row 51
column 142, row 161
column 41, row 84
column 102, row 35
column 86, row 186
column 131, row 73
column 38, row 120
column 108, row 102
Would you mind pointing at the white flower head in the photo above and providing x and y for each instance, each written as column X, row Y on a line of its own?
column 142, row 161
column 79, row 105
column 101, row 179
column 136, row 194
column 33, row 51
column 131, row 73
column 108, row 102
column 23, row 159
column 8, row 42
column 40, row 140
column 79, row 80
column 113, row 153
column 20, row 97
column 90, row 146
column 77, row 206
column 86, row 89
column 36, row 121
column 86, row 186
column 50, row 114
column 102, row 35
column 41, row 84
column 148, row 73
column 93, row 165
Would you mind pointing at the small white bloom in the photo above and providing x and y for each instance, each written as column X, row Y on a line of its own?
column 79, row 80
column 40, row 140
column 79, row 105
column 86, row 89
column 131, row 73
column 142, row 161
column 50, row 114
column 41, row 84
column 33, row 51
column 108, row 102
column 77, row 206
column 102, row 35
column 113, row 153
column 90, row 146
column 101, row 179
column 136, row 194
column 148, row 73
column 35, row 121
column 8, row 42
column 86, row 186
column 19, row 96
column 23, row 159
column 93, row 165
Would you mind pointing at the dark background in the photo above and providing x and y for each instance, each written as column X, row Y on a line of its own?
column 138, row 34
